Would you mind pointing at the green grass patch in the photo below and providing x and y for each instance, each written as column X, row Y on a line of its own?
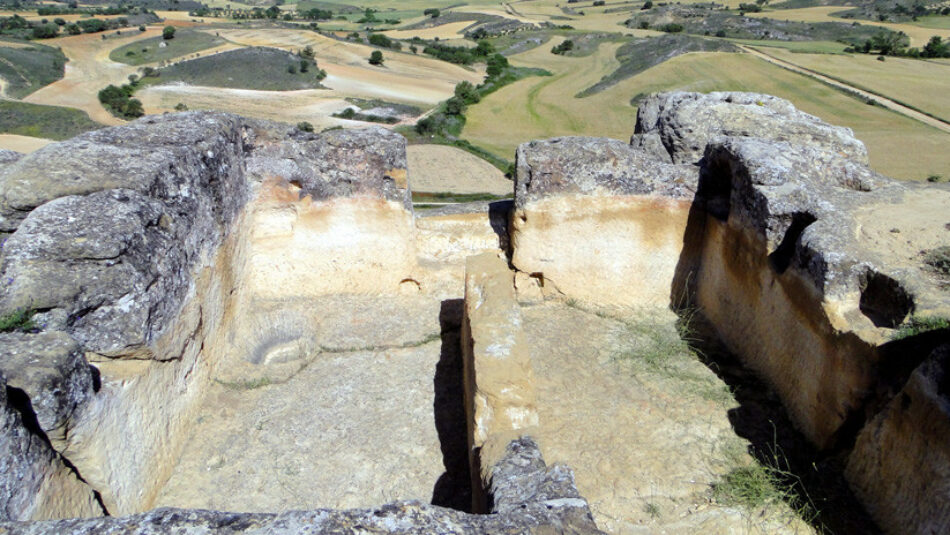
column 185, row 43
column 259, row 68
column 445, row 197
column 24, row 70
column 939, row 22
column 641, row 54
column 50, row 122
column 18, row 320
column 249, row 384
column 918, row 325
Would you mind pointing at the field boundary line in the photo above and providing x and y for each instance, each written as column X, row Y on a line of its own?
column 887, row 102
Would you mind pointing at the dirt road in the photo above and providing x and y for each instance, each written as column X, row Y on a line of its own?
column 877, row 99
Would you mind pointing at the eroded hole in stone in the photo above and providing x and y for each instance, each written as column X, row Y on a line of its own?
column 783, row 254
column 884, row 301
column 715, row 187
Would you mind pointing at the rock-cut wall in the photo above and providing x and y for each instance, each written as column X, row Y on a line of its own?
column 769, row 223
column 166, row 252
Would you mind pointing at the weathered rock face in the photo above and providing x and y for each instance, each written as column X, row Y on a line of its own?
column 52, row 371
column 35, row 484
column 123, row 216
column 152, row 242
column 900, row 466
column 533, row 499
column 586, row 206
column 682, row 123
column 801, row 257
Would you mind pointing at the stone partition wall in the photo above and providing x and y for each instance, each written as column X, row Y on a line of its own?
column 598, row 220
column 802, row 259
column 499, row 383
column 150, row 250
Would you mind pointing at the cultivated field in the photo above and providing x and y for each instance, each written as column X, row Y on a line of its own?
column 545, row 107
column 920, row 84
column 918, row 35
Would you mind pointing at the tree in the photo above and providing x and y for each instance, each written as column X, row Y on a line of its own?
column 304, row 65
column 168, row 33
column 936, row 48
column 376, row 58
column 647, row 5
column 134, row 108
column 467, row 93
column 73, row 29
column 45, row 31
column 432, row 12
column 272, row 12
column 454, row 106
column 307, row 52
column 496, row 64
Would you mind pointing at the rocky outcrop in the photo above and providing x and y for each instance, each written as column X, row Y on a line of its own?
column 147, row 247
column 120, row 218
column 586, row 206
column 531, row 499
column 35, row 483
column 51, row 370
column 682, row 123
column 803, row 259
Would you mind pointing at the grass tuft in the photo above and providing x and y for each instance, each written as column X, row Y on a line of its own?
column 918, row 325
column 18, row 320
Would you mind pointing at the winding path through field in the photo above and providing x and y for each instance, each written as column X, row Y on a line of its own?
column 88, row 70
column 877, row 99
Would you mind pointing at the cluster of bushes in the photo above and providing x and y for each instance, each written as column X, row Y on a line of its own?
column 563, row 48
column 378, row 39
column 750, row 8
column 21, row 28
column 119, row 101
column 671, row 27
column 316, row 14
column 896, row 44
column 73, row 7
column 460, row 55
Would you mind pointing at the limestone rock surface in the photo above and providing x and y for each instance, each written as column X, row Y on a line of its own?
column 595, row 166
column 51, row 369
column 685, row 122
column 368, row 162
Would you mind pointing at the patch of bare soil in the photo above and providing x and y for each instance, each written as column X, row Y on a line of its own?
column 438, row 168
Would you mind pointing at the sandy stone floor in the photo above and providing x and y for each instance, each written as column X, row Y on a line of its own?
column 362, row 423
column 645, row 431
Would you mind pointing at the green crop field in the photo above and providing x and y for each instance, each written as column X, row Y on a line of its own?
column 266, row 69
column 26, row 68
column 50, row 122
column 186, row 42
column 920, row 84
column 537, row 108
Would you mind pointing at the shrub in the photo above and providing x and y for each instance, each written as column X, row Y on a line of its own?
column 45, row 31
column 168, row 32
column 647, row 5
column 432, row 12
column 181, row 107
column 18, row 320
column 563, row 48
column 304, row 126
column 671, row 27
column 467, row 93
column 496, row 64
column 376, row 58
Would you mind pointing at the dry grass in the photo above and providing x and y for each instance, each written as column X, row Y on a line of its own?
column 538, row 108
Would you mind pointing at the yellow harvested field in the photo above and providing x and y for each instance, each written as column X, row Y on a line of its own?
column 404, row 77
column 923, row 85
column 89, row 69
column 24, row 144
column 544, row 107
column 918, row 35
column 313, row 106
column 184, row 16
column 452, row 30
column 439, row 168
